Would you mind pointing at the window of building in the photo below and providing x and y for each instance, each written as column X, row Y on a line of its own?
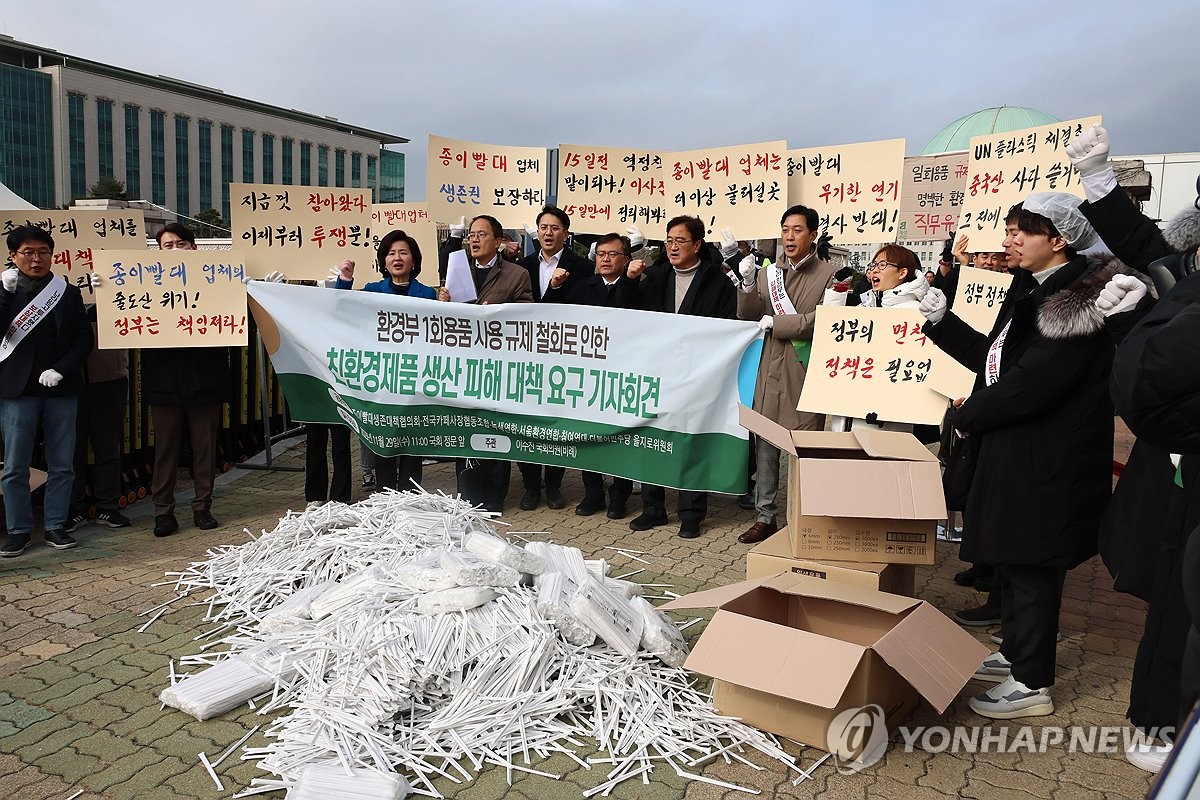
column 226, row 168
column 371, row 183
column 322, row 165
column 306, row 164
column 104, row 137
column 247, row 156
column 133, row 152
column 27, row 133
column 391, row 177
column 339, row 167
column 286, row 147
column 158, row 158
column 204, row 144
column 268, row 156
column 183, row 201
column 356, row 170
column 75, row 132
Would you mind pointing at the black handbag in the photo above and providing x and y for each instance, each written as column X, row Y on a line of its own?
column 957, row 455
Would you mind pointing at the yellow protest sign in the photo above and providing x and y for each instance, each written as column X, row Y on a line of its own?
column 980, row 293
column 931, row 197
column 1005, row 168
column 877, row 360
column 465, row 179
column 300, row 231
column 413, row 219
column 743, row 188
column 856, row 188
column 170, row 298
column 607, row 189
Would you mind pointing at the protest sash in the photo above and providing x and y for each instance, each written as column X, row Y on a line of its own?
column 36, row 311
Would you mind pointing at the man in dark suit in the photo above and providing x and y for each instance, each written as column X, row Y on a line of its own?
column 553, row 272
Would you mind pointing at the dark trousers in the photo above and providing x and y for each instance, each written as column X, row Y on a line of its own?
column 398, row 472
column 101, row 422
column 693, row 506
column 485, row 483
column 316, row 466
column 618, row 492
column 203, row 424
column 531, row 476
column 1030, row 597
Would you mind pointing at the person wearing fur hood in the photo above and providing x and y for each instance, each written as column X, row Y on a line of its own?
column 1042, row 420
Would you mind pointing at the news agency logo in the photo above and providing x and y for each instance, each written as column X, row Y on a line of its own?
column 857, row 738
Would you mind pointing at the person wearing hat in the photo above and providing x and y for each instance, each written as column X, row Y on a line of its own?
column 1043, row 420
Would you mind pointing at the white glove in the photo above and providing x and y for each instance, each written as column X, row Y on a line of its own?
column 1089, row 151
column 933, row 305
column 636, row 239
column 460, row 230
column 94, row 280
column 530, row 231
column 766, row 323
column 50, row 378
column 275, row 277
column 1121, row 293
column 9, row 279
column 729, row 247
column 746, row 268
column 592, row 252
column 834, row 298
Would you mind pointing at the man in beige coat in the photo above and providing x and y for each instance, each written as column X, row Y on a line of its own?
column 786, row 317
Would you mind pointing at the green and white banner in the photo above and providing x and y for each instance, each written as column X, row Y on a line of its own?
column 646, row 396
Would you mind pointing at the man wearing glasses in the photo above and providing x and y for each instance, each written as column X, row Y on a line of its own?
column 46, row 337
column 690, row 281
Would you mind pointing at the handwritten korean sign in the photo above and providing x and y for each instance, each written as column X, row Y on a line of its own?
column 607, row 189
column 172, row 298
column 876, row 360
column 1005, row 168
column 413, row 219
column 299, row 230
column 980, row 293
column 469, row 178
column 931, row 197
column 743, row 188
column 78, row 234
column 856, row 188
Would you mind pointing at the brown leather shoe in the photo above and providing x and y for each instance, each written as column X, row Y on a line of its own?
column 758, row 532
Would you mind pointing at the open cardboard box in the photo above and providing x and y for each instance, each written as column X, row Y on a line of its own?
column 774, row 555
column 36, row 478
column 863, row 495
column 788, row 653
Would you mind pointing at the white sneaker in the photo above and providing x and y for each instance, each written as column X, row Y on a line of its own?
column 1149, row 757
column 1012, row 699
column 995, row 668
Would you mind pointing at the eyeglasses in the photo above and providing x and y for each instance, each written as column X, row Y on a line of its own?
column 877, row 266
column 477, row 235
column 602, row 254
column 678, row 241
column 550, row 228
column 35, row 254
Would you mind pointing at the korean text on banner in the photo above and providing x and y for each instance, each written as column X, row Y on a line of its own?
column 743, row 188
column 931, row 196
column 876, row 360
column 1005, row 168
column 607, row 189
column 300, row 231
column 979, row 296
column 78, row 234
column 466, row 179
column 413, row 219
column 173, row 298
column 525, row 381
column 854, row 187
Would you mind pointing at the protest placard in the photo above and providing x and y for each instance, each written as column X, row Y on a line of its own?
column 465, row 179
column 743, row 188
column 877, row 360
column 413, row 219
column 1005, row 168
column 931, row 196
column 980, row 293
column 170, row 298
column 607, row 189
column 300, row 231
column 855, row 188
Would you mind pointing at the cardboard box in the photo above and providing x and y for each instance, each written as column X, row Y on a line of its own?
column 36, row 478
column 864, row 495
column 790, row 652
column 775, row 555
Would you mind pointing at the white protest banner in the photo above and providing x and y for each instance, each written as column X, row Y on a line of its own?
column 855, row 188
column 743, row 188
column 300, row 231
column 523, row 381
column 607, row 189
column 1005, row 168
column 471, row 178
column 876, row 360
column 980, row 293
column 931, row 197
column 170, row 298
column 413, row 219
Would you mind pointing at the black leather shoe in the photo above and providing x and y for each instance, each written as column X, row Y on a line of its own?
column 530, row 500
column 204, row 520
column 59, row 539
column 554, row 498
column 689, row 528
column 647, row 520
column 587, row 507
column 165, row 525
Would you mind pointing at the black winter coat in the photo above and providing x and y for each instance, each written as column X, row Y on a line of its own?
column 60, row 342
column 1043, row 475
column 711, row 294
column 577, row 268
column 185, row 376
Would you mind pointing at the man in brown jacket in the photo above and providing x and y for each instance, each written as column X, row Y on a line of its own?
column 786, row 316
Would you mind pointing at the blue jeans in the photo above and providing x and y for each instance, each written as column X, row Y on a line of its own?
column 19, row 418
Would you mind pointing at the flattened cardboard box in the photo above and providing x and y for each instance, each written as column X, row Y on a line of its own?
column 36, row 478
column 775, row 555
column 788, row 653
column 862, row 495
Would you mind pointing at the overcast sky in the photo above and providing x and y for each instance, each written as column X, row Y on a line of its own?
column 668, row 75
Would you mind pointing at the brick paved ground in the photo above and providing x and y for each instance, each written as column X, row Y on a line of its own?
column 78, row 683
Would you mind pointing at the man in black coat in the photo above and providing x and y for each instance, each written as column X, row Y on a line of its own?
column 45, row 337
column 553, row 272
column 691, row 280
